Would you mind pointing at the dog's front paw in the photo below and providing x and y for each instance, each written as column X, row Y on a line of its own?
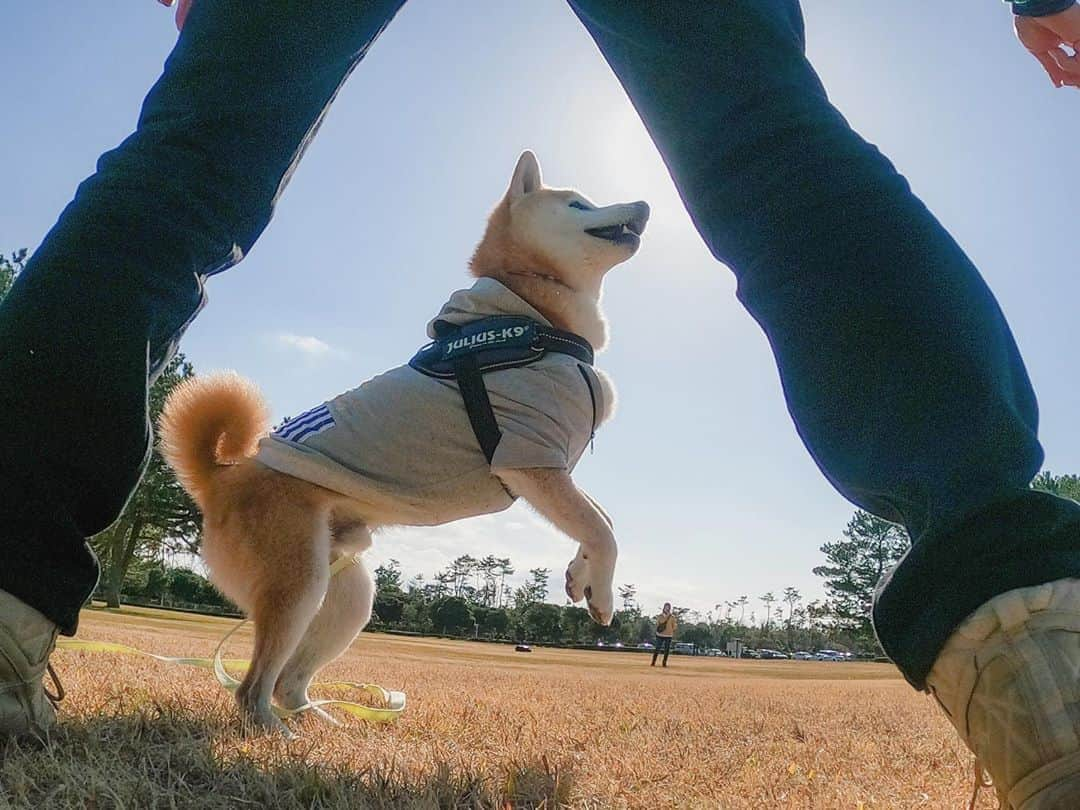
column 601, row 603
column 585, row 580
column 577, row 578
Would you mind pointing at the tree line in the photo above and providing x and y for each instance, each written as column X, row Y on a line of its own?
column 434, row 606
column 868, row 548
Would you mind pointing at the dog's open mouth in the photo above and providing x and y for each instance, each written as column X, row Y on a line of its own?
column 625, row 233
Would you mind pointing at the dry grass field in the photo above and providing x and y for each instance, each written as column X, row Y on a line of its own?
column 488, row 727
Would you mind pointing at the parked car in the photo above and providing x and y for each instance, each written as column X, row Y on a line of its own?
column 682, row 648
column 645, row 645
column 751, row 654
column 803, row 655
column 776, row 654
column 829, row 655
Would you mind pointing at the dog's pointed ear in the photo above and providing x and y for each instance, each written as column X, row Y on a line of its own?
column 526, row 177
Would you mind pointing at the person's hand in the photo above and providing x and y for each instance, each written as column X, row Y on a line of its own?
column 1044, row 38
column 182, row 9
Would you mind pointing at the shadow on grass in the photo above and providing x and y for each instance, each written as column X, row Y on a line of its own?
column 168, row 756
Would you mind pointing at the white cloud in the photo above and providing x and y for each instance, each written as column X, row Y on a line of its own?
column 308, row 344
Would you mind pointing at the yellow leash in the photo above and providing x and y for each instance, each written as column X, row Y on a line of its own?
column 395, row 701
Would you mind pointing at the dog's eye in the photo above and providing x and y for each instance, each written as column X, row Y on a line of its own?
column 581, row 205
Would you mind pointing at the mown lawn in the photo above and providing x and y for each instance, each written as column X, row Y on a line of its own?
column 488, row 727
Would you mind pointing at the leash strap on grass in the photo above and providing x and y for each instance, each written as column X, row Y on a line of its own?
column 395, row 701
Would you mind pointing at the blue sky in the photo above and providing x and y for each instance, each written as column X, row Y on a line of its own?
column 712, row 493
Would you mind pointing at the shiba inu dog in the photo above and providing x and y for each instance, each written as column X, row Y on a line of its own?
column 405, row 449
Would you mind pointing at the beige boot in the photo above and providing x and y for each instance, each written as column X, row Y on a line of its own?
column 1009, row 680
column 26, row 640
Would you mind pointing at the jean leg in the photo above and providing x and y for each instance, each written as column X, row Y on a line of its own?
column 897, row 364
column 103, row 301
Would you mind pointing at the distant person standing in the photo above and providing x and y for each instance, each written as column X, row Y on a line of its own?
column 665, row 631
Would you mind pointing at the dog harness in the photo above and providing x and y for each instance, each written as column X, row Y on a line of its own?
column 465, row 353
column 422, row 444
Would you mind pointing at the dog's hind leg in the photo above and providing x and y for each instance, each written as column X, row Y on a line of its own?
column 287, row 597
column 349, row 534
column 344, row 612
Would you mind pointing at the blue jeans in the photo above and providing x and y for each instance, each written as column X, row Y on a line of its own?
column 897, row 364
column 662, row 645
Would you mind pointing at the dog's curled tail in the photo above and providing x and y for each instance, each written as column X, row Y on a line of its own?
column 209, row 422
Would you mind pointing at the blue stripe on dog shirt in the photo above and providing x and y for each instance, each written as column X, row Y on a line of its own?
column 317, row 427
column 296, row 425
column 298, row 419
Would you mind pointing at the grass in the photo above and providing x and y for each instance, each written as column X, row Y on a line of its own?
column 487, row 727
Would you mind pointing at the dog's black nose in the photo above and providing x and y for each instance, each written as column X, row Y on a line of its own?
column 640, row 217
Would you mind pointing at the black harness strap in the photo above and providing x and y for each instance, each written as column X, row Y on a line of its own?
column 470, row 380
column 592, row 398
column 466, row 353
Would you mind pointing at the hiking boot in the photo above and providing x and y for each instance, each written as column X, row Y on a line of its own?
column 26, row 640
column 1009, row 680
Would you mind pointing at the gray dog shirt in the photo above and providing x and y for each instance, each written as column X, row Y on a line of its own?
column 401, row 444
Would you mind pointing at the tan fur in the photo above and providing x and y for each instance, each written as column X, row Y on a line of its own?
column 497, row 256
column 529, row 274
column 207, row 422
column 269, row 539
